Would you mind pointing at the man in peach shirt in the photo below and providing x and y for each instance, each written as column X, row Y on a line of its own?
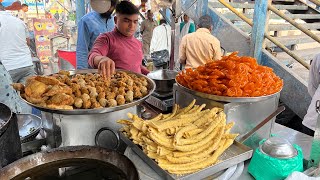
column 201, row 46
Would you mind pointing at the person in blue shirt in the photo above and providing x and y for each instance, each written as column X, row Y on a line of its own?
column 89, row 28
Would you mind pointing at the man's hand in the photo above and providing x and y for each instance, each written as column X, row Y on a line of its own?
column 106, row 67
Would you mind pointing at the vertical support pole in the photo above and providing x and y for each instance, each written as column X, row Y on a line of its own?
column 175, row 36
column 168, row 15
column 260, row 24
column 80, row 9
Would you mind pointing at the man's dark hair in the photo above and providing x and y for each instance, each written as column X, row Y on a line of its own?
column 127, row 8
column 163, row 21
column 24, row 5
column 149, row 11
column 114, row 2
column 205, row 22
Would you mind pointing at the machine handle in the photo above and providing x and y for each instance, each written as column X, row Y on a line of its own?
column 116, row 134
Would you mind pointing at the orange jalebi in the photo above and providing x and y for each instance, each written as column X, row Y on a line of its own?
column 232, row 76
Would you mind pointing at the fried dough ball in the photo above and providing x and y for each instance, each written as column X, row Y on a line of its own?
column 111, row 95
column 61, row 99
column 102, row 95
column 144, row 90
column 35, row 88
column 129, row 82
column 82, row 83
column 120, row 100
column 103, row 102
column 99, row 89
column 85, row 97
column 84, row 90
column 94, row 103
column 112, row 103
column 137, row 92
column 78, row 102
column 86, row 104
column 129, row 96
column 122, row 91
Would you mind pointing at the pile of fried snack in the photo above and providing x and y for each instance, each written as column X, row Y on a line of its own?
column 82, row 91
column 185, row 141
column 233, row 76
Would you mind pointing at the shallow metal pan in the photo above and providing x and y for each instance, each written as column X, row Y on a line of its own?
column 235, row 154
column 151, row 88
column 226, row 98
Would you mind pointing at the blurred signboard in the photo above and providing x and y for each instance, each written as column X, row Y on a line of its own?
column 43, row 30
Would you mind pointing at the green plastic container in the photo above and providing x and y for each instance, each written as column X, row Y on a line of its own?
column 264, row 167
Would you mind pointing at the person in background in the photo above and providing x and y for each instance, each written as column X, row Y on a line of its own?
column 15, row 54
column 119, row 48
column 146, row 29
column 89, row 28
column 186, row 26
column 161, row 40
column 200, row 47
column 23, row 13
column 310, row 119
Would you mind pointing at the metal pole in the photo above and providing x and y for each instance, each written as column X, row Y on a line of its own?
column 273, row 40
column 295, row 24
column 175, row 36
column 260, row 25
column 80, row 9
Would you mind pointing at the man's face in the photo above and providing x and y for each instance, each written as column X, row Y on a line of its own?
column 25, row 9
column 150, row 15
column 127, row 24
column 186, row 18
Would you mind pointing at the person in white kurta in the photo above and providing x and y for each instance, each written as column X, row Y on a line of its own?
column 161, row 39
column 310, row 119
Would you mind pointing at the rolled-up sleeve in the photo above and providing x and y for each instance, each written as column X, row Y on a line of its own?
column 100, row 48
column 82, row 45
column 182, row 51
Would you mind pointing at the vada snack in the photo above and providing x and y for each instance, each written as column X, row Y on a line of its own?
column 185, row 141
column 232, row 76
column 82, row 91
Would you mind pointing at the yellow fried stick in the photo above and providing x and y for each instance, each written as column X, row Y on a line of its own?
column 205, row 153
column 200, row 122
column 161, row 140
column 124, row 122
column 174, row 112
column 196, row 151
column 186, row 109
column 180, row 133
column 223, row 145
column 184, row 119
column 204, row 141
column 192, row 132
column 162, row 151
column 228, row 127
column 203, row 134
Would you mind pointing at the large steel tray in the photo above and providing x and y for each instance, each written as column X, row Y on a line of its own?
column 151, row 87
column 235, row 154
column 226, row 98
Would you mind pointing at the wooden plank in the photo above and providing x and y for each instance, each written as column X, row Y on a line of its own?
column 291, row 40
column 251, row 6
column 281, row 27
column 258, row 29
column 233, row 17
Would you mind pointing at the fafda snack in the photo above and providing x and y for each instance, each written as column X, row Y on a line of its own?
column 232, row 76
column 185, row 141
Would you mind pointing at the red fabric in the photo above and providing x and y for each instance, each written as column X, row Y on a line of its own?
column 69, row 56
column 126, row 52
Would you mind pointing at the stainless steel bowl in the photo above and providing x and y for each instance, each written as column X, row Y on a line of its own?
column 29, row 126
column 164, row 79
column 278, row 148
